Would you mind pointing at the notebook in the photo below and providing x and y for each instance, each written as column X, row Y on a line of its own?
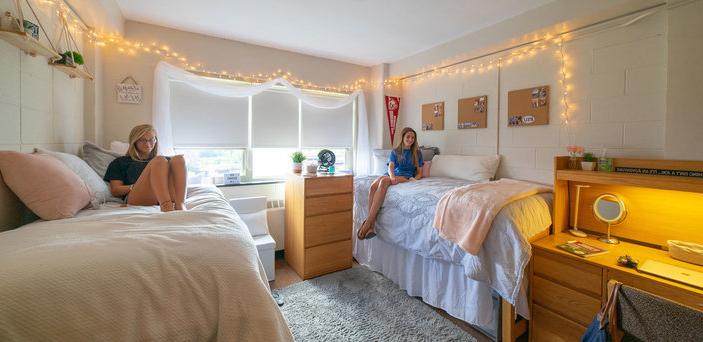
column 671, row 272
column 582, row 249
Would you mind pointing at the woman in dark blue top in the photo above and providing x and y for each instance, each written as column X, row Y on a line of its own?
column 404, row 164
column 143, row 177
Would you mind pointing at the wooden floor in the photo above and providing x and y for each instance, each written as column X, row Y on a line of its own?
column 285, row 276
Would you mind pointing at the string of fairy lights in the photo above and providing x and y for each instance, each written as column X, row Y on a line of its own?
column 500, row 60
column 165, row 52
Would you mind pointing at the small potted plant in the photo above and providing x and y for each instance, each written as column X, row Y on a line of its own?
column 298, row 158
column 589, row 162
column 71, row 58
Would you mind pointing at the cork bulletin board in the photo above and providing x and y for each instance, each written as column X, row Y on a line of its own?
column 472, row 112
column 433, row 116
column 528, row 107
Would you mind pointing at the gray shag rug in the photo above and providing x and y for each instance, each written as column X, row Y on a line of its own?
column 360, row 305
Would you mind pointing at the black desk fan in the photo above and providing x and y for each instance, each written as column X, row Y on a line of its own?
column 326, row 159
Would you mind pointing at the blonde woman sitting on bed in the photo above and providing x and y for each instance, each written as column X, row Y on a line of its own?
column 143, row 177
column 404, row 164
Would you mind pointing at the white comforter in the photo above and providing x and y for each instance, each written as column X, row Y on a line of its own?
column 406, row 217
column 135, row 274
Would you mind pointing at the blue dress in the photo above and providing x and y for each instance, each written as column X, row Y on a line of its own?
column 405, row 168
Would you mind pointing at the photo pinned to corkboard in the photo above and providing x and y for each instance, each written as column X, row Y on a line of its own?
column 433, row 116
column 473, row 112
column 528, row 107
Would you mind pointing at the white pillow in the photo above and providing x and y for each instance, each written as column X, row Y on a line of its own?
column 256, row 222
column 119, row 147
column 472, row 168
column 380, row 161
column 98, row 188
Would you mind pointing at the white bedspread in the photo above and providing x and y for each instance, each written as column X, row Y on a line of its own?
column 135, row 274
column 406, row 217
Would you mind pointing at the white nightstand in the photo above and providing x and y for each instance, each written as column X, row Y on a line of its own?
column 252, row 210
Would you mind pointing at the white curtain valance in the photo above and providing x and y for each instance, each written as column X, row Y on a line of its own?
column 161, row 116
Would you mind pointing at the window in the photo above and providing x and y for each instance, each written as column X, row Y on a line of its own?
column 270, row 163
column 208, row 166
column 255, row 136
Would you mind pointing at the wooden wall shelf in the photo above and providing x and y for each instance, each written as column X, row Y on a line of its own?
column 621, row 178
column 660, row 207
column 72, row 71
column 28, row 44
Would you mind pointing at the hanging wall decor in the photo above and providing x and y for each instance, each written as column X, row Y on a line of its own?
column 129, row 92
column 473, row 112
column 433, row 116
column 392, row 108
column 71, row 60
column 24, row 34
column 528, row 107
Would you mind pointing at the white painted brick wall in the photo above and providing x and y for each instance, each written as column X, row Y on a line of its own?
column 648, row 135
column 39, row 105
column 618, row 102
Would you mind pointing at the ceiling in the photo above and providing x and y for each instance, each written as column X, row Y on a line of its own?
column 365, row 32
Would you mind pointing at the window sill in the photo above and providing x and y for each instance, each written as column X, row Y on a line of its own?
column 263, row 182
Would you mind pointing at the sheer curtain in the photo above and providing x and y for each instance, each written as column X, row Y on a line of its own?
column 161, row 118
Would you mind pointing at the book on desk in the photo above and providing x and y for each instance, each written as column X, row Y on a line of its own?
column 582, row 249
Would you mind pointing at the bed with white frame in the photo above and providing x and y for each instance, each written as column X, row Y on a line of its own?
column 488, row 290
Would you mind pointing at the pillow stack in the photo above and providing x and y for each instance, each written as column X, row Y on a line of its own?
column 99, row 189
column 44, row 184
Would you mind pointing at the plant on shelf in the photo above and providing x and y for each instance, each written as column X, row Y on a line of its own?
column 71, row 58
column 589, row 162
column 298, row 158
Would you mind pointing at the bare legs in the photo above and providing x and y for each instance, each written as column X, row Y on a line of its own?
column 177, row 181
column 163, row 183
column 377, row 194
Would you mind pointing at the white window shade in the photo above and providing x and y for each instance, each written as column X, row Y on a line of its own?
column 274, row 120
column 327, row 127
column 201, row 119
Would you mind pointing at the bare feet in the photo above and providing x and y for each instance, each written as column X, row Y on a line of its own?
column 167, row 206
column 180, row 206
column 366, row 231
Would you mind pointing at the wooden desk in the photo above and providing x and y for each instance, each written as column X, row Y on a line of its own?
column 567, row 290
column 318, row 223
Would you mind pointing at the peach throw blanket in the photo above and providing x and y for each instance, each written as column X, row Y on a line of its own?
column 465, row 214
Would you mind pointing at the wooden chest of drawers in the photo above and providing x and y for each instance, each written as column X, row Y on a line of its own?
column 318, row 223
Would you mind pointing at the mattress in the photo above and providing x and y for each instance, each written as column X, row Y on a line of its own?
column 406, row 217
column 133, row 273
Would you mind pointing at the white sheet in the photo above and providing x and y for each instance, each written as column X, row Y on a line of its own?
column 406, row 217
column 124, row 274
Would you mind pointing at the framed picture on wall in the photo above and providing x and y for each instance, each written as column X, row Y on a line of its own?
column 433, row 116
column 528, row 107
column 473, row 112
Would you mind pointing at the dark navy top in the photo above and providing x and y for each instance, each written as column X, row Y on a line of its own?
column 125, row 169
column 405, row 168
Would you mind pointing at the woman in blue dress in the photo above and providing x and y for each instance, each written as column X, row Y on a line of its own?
column 404, row 164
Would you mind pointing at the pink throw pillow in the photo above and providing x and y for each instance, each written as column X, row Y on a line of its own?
column 44, row 184
column 426, row 168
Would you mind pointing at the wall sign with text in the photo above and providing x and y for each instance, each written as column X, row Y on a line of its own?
column 129, row 92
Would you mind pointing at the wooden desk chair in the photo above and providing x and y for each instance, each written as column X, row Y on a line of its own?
column 642, row 316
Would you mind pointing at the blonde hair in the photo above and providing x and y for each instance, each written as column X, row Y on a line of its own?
column 136, row 134
column 401, row 143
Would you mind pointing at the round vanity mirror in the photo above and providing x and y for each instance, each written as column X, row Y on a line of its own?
column 609, row 209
